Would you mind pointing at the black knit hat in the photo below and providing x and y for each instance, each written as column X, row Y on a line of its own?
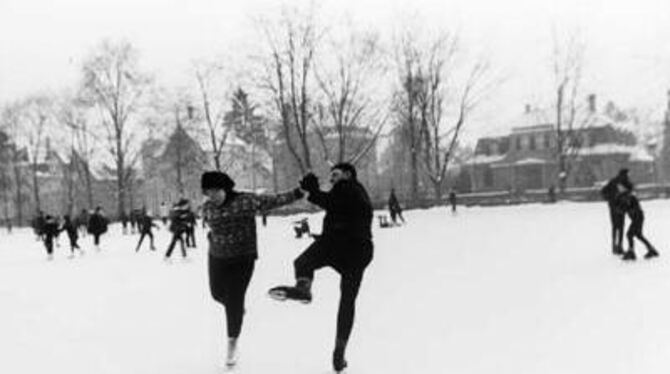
column 216, row 180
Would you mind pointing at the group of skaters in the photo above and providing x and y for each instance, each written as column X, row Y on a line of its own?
column 620, row 196
column 48, row 228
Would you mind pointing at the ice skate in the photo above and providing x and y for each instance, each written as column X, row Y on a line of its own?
column 617, row 250
column 339, row 363
column 231, row 354
column 629, row 256
column 651, row 253
column 300, row 292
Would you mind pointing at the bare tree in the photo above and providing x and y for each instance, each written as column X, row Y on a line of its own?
column 74, row 113
column 18, row 157
column 445, row 104
column 115, row 84
column 292, row 45
column 568, row 61
column 212, row 103
column 351, row 109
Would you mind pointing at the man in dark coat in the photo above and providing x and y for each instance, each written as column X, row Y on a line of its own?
column 71, row 229
column 345, row 245
column 144, row 225
column 178, row 227
column 97, row 225
column 610, row 192
column 49, row 232
column 394, row 208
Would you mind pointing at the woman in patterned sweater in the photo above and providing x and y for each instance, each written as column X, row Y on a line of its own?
column 230, row 216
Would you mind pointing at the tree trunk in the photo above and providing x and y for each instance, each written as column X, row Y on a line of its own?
column 437, row 186
column 36, row 189
column 19, row 196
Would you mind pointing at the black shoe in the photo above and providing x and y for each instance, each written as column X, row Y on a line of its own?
column 339, row 363
column 283, row 293
column 629, row 256
column 617, row 250
column 651, row 254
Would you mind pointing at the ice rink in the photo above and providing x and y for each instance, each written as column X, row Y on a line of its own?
column 517, row 289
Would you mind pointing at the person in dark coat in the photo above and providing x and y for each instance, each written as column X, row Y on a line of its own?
column 629, row 204
column 97, row 225
column 49, row 232
column 144, row 225
column 345, row 245
column 395, row 211
column 610, row 192
column 71, row 229
column 178, row 227
column 190, row 233
column 453, row 201
column 231, row 217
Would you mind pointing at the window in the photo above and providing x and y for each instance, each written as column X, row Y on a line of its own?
column 547, row 141
column 518, row 143
column 531, row 146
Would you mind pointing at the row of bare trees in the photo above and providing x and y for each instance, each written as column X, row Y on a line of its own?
column 312, row 90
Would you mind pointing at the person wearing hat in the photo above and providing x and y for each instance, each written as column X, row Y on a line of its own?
column 97, row 225
column 610, row 192
column 179, row 227
column 231, row 217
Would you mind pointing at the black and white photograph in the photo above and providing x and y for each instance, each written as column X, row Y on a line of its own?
column 334, row 186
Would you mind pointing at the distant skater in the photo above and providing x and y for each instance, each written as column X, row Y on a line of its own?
column 395, row 211
column 72, row 233
column 453, row 201
column 97, row 225
column 49, row 232
column 231, row 217
column 178, row 227
column 144, row 225
column 629, row 204
column 610, row 192
column 345, row 245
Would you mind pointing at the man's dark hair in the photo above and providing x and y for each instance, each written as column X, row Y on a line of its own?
column 346, row 167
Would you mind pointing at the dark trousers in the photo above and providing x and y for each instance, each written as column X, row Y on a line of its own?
column 617, row 219
column 228, row 284
column 176, row 237
column 349, row 258
column 190, row 237
column 635, row 231
column 49, row 244
column 96, row 239
column 142, row 235
column 73, row 241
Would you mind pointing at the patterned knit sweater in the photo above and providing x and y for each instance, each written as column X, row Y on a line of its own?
column 232, row 224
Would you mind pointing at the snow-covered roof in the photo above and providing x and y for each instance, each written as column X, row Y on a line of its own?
column 530, row 161
column 484, row 159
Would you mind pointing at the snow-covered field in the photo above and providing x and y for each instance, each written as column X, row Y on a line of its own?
column 525, row 289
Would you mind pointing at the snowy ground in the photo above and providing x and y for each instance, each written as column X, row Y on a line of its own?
column 526, row 289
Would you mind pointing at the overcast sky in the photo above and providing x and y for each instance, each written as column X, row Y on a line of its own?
column 627, row 60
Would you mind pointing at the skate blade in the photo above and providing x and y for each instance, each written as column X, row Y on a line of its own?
column 278, row 295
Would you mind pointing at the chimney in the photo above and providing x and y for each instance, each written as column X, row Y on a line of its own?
column 527, row 108
column 592, row 103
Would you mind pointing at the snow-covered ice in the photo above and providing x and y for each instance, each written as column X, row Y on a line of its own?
column 523, row 289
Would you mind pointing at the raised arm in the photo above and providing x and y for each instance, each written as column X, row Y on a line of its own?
column 266, row 202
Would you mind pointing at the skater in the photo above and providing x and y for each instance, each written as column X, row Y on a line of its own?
column 49, row 232
column 144, row 226
column 345, row 245
column 178, row 227
column 453, row 201
column 233, row 251
column 610, row 192
column 629, row 204
column 190, row 232
column 97, row 225
column 71, row 229
column 395, row 211
column 38, row 225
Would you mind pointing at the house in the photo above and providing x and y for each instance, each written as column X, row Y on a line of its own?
column 526, row 158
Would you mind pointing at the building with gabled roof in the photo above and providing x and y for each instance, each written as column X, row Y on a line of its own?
column 526, row 157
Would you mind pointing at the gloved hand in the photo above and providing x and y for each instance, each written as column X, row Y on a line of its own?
column 309, row 183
